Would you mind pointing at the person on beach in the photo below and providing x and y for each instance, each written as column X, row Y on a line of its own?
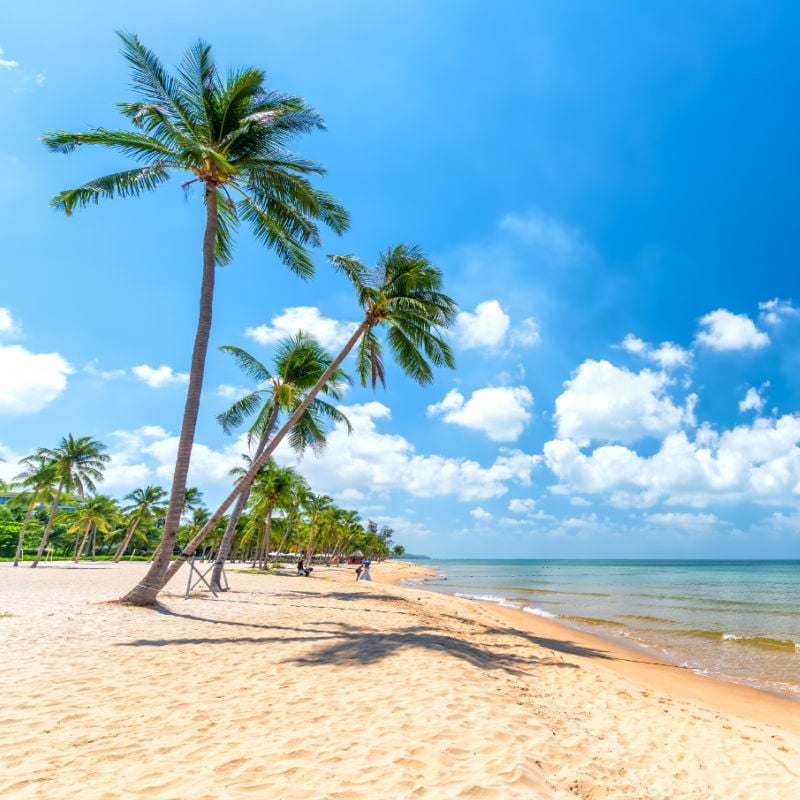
column 302, row 569
column 365, row 576
column 358, row 571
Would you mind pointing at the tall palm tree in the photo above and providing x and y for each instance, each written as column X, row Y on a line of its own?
column 39, row 476
column 270, row 490
column 145, row 507
column 402, row 294
column 231, row 135
column 76, row 464
column 299, row 361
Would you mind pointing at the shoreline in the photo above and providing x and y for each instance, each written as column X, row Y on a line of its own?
column 728, row 696
column 330, row 688
column 652, row 650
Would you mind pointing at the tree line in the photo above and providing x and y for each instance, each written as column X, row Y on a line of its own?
column 283, row 517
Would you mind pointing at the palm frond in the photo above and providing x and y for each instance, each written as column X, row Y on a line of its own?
column 237, row 413
column 251, row 366
column 130, row 183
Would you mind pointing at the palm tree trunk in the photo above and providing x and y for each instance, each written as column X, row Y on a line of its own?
column 79, row 550
column 49, row 526
column 24, row 527
column 145, row 592
column 126, row 541
column 262, row 459
column 230, row 530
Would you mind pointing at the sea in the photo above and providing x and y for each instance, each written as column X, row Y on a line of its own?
column 733, row 620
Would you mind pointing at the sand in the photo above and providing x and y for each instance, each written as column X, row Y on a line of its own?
column 322, row 687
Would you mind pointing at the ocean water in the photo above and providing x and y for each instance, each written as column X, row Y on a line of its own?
column 733, row 620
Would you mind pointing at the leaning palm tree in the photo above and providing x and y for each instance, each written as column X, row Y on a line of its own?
column 231, row 135
column 401, row 294
column 76, row 464
column 299, row 361
column 145, row 507
column 39, row 476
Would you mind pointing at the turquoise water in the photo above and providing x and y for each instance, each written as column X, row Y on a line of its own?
column 734, row 620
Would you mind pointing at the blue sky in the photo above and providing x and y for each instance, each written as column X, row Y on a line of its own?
column 609, row 188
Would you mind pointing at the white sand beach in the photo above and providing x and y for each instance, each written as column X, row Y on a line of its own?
column 322, row 687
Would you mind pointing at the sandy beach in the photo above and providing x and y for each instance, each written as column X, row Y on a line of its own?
column 322, row 687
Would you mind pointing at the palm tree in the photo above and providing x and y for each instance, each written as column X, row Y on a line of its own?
column 230, row 135
column 98, row 513
column 401, row 294
column 299, row 361
column 39, row 476
column 146, row 506
column 76, row 465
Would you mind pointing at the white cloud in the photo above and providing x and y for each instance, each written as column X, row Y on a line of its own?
column 8, row 328
column 30, row 381
column 330, row 333
column 757, row 463
column 487, row 327
column 501, row 412
column 604, row 402
column 667, row 355
column 773, row 312
column 546, row 233
column 377, row 464
column 109, row 374
column 6, row 63
column 526, row 334
column 727, row 332
column 753, row 401
column 159, row 378
column 228, row 392
column 480, row 514
column 517, row 506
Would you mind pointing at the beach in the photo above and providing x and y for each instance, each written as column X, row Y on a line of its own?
column 322, row 687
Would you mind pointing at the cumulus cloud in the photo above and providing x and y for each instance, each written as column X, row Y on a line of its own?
column 160, row 377
column 604, row 402
column 30, row 381
column 8, row 328
column 379, row 463
column 480, row 513
column 331, row 333
column 486, row 327
column 729, row 332
column 753, row 401
column 757, row 463
column 667, row 355
column 518, row 506
column 501, row 412
column 147, row 455
column 773, row 312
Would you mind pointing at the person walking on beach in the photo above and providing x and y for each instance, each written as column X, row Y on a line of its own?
column 365, row 576
column 358, row 571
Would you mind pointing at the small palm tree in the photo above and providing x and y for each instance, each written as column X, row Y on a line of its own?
column 76, row 465
column 402, row 295
column 145, row 507
column 299, row 361
column 96, row 514
column 39, row 476
column 231, row 136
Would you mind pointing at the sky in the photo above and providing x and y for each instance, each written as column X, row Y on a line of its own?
column 610, row 191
